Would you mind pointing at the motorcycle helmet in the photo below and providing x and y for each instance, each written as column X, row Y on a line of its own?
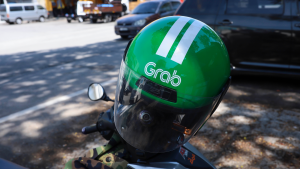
column 173, row 76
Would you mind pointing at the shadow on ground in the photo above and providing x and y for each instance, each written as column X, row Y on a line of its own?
column 50, row 141
column 268, row 91
column 250, row 136
column 27, row 78
column 40, row 139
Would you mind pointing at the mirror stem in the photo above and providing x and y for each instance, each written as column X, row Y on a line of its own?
column 108, row 99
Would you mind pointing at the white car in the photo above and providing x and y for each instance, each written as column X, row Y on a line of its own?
column 18, row 12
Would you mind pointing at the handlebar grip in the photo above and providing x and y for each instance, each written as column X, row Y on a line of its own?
column 89, row 129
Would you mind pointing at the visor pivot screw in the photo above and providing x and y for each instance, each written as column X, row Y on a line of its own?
column 123, row 128
column 145, row 116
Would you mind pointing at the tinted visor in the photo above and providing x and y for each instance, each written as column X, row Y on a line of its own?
column 148, row 117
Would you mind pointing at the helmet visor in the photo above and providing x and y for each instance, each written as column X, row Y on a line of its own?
column 149, row 117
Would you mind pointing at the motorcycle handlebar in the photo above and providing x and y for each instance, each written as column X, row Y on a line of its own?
column 89, row 129
column 104, row 123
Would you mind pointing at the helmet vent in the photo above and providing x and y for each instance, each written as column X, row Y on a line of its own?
column 157, row 90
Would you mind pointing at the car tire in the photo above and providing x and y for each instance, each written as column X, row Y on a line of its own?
column 124, row 8
column 42, row 19
column 18, row 21
column 124, row 36
column 9, row 22
column 93, row 20
column 115, row 17
column 107, row 18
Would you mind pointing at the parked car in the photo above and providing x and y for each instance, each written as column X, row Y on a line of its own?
column 18, row 12
column 261, row 36
column 144, row 14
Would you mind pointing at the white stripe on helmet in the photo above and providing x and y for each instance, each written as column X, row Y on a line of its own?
column 169, row 39
column 186, row 41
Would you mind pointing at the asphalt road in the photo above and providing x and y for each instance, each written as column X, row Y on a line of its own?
column 42, row 61
column 44, row 69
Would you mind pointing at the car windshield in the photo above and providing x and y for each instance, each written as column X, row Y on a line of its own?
column 144, row 8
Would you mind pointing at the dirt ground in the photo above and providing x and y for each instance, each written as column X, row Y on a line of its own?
column 251, row 136
column 61, row 144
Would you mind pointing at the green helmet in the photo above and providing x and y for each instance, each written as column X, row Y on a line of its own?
column 173, row 75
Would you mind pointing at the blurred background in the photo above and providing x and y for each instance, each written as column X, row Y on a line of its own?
column 51, row 50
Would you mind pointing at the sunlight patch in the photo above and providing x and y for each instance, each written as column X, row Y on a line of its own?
column 240, row 120
column 31, row 128
column 31, row 83
column 23, row 98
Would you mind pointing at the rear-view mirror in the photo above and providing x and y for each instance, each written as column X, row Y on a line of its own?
column 96, row 92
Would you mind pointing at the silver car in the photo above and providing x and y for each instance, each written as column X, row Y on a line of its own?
column 18, row 12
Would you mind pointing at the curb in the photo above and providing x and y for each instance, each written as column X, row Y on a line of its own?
column 46, row 20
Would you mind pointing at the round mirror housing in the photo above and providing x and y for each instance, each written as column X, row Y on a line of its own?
column 96, row 92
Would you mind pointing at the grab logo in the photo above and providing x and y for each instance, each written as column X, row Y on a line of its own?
column 165, row 76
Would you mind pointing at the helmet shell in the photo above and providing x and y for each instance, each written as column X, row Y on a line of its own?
column 183, row 54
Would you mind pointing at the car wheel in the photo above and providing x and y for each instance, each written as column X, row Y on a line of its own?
column 115, row 17
column 80, row 19
column 42, row 19
column 107, row 18
column 93, row 20
column 124, row 8
column 9, row 22
column 124, row 36
column 18, row 21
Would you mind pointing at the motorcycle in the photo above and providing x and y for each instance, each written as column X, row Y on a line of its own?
column 183, row 157
column 70, row 17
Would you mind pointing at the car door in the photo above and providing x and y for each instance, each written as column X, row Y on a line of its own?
column 295, row 56
column 3, row 12
column 29, row 12
column 15, row 12
column 257, row 33
column 41, row 11
column 203, row 10
column 165, row 9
